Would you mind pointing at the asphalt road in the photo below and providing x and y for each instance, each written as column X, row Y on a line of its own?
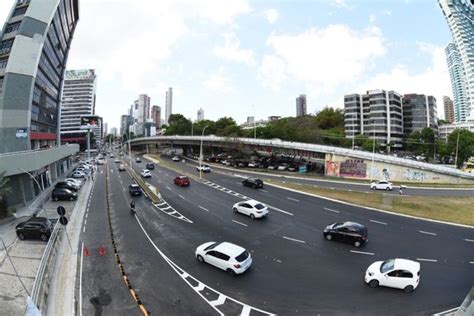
column 340, row 185
column 295, row 271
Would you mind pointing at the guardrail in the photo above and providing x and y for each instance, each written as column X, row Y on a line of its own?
column 39, row 293
column 315, row 148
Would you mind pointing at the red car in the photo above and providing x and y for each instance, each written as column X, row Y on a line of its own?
column 182, row 181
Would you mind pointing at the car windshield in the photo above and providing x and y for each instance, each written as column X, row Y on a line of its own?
column 243, row 256
column 387, row 265
column 211, row 246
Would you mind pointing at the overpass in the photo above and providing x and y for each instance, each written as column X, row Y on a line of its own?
column 338, row 162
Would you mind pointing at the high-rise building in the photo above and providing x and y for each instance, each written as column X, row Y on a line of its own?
column 106, row 129
column 78, row 99
column 301, row 105
column 140, row 112
column 113, row 131
column 200, row 115
column 376, row 114
column 34, row 45
column 168, row 104
column 250, row 119
column 458, row 83
column 156, row 115
column 448, row 109
column 460, row 17
column 125, row 122
column 419, row 111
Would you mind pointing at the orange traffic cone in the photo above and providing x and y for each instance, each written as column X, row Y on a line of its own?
column 86, row 251
column 101, row 250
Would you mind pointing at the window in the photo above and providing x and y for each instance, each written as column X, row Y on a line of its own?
column 19, row 11
column 242, row 257
column 395, row 273
column 1, row 84
column 387, row 265
column 3, row 62
column 222, row 256
column 12, row 27
column 406, row 274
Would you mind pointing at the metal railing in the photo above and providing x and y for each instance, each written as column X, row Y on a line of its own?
column 13, row 153
column 314, row 148
column 40, row 291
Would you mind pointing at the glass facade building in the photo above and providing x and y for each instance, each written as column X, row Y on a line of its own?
column 419, row 111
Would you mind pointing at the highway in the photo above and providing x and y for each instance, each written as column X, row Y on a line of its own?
column 295, row 270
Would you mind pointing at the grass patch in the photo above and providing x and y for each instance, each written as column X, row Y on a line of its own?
column 453, row 209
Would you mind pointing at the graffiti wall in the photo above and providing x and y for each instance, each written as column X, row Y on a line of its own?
column 353, row 168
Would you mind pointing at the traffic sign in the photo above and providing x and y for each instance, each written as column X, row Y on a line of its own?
column 63, row 220
column 61, row 210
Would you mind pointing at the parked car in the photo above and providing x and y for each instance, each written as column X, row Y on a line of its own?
column 112, row 156
column 121, row 167
column 381, row 185
column 101, row 161
column 349, row 232
column 74, row 181
column 66, row 185
column 225, row 255
column 175, row 158
column 35, row 228
column 63, row 194
column 78, row 175
column 117, row 160
column 253, row 182
column 150, row 166
column 138, row 160
column 146, row 173
column 272, row 167
column 203, row 168
column 397, row 273
column 252, row 208
column 182, row 181
column 283, row 167
column 134, row 190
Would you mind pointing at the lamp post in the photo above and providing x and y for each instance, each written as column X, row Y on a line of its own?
column 373, row 153
column 200, row 153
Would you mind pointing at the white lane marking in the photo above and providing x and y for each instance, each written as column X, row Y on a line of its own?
column 85, row 222
column 264, row 190
column 180, row 272
column 168, row 188
column 237, row 222
column 469, row 240
column 203, row 208
column 220, row 300
column 84, row 229
column 363, row 252
column 349, row 190
column 199, row 287
column 332, row 188
column 471, row 262
column 427, row 233
column 331, row 210
column 292, row 239
column 279, row 210
column 80, row 280
column 428, row 260
column 381, row 223
column 246, row 311
column 292, row 199
column 182, row 197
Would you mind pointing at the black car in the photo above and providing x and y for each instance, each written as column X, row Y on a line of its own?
column 349, row 232
column 66, row 185
column 63, row 194
column 253, row 182
column 134, row 190
column 150, row 166
column 35, row 227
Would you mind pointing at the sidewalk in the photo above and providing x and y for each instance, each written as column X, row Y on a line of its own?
column 26, row 255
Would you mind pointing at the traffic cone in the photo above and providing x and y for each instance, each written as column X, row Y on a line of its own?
column 86, row 251
column 101, row 250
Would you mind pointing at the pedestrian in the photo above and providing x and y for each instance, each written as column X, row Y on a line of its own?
column 400, row 191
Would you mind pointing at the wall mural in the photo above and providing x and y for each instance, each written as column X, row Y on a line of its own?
column 354, row 168
column 414, row 175
column 332, row 168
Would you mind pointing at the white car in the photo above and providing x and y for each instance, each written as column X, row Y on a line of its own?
column 117, row 160
column 381, row 185
column 175, row 158
column 101, row 161
column 283, row 167
column 74, row 181
column 146, row 173
column 78, row 174
column 397, row 273
column 203, row 168
column 225, row 255
column 252, row 208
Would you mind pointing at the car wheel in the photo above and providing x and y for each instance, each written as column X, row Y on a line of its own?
column 252, row 216
column 235, row 210
column 372, row 188
column 254, row 186
column 200, row 258
column 357, row 243
column 21, row 236
column 231, row 272
column 329, row 237
column 408, row 289
column 44, row 237
column 373, row 283
column 55, row 198
column 388, row 189
column 71, row 198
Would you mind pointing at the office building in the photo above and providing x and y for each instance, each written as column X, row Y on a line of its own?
column 200, row 115
column 448, row 109
column 140, row 113
column 106, row 129
column 458, row 83
column 459, row 15
column 445, row 130
column 168, row 104
column 376, row 114
column 419, row 111
column 273, row 118
column 156, row 115
column 113, row 131
column 125, row 122
column 34, row 45
column 301, row 105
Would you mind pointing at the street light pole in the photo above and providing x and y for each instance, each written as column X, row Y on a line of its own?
column 373, row 153
column 353, row 131
column 200, row 153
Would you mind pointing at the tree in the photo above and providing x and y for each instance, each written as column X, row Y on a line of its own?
column 226, row 126
column 178, row 125
column 330, row 118
column 428, row 140
column 465, row 147
column 5, row 189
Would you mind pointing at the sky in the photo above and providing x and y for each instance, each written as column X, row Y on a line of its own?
column 242, row 58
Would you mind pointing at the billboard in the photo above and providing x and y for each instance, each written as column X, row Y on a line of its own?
column 90, row 121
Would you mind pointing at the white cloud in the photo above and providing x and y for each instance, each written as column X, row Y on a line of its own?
column 342, row 4
column 232, row 51
column 372, row 18
column 323, row 58
column 271, row 15
column 218, row 82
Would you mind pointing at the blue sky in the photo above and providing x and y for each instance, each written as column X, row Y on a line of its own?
column 226, row 56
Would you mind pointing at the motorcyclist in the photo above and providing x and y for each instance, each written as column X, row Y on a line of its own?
column 132, row 207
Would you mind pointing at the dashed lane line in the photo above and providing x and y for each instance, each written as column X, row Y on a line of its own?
column 168, row 188
column 469, row 240
column 202, row 288
column 292, row 199
column 427, row 233
column 237, row 222
column 378, row 222
column 293, row 239
column 280, row 210
column 363, row 252
column 331, row 210
column 427, row 260
column 181, row 196
column 203, row 208
column 265, row 191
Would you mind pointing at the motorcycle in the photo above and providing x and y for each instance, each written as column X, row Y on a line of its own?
column 132, row 208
